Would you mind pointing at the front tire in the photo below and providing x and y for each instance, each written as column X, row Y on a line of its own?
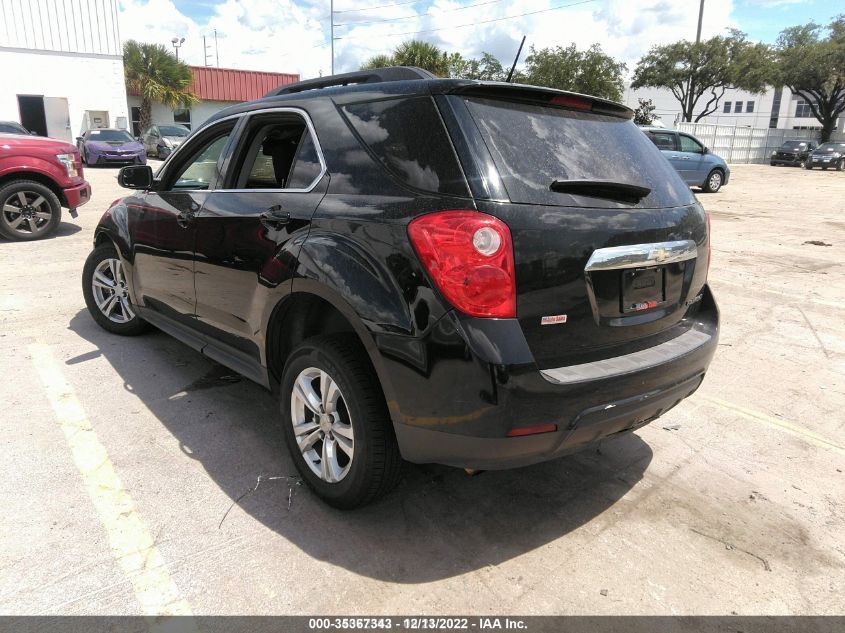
column 713, row 182
column 106, row 293
column 336, row 423
column 808, row 164
column 840, row 165
column 29, row 210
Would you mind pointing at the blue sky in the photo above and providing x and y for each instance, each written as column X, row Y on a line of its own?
column 293, row 35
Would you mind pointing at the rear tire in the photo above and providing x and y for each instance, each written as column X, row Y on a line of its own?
column 808, row 164
column 343, row 446
column 713, row 182
column 105, row 291
column 29, row 210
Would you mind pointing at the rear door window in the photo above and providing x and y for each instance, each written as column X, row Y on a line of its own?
column 534, row 145
column 663, row 140
column 407, row 137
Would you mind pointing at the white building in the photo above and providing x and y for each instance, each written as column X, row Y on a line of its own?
column 61, row 67
column 775, row 108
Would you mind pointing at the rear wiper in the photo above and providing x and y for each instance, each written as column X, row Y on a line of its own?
column 608, row 189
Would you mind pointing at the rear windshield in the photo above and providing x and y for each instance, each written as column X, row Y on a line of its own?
column 534, row 145
column 407, row 136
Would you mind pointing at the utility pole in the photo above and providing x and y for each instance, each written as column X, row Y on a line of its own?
column 204, row 52
column 331, row 17
column 700, row 17
column 697, row 41
column 216, row 50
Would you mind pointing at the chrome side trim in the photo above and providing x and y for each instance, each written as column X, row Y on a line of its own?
column 638, row 255
column 628, row 363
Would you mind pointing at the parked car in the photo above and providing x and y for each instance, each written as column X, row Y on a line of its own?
column 417, row 270
column 696, row 164
column 160, row 140
column 107, row 146
column 12, row 127
column 827, row 155
column 793, row 152
column 38, row 176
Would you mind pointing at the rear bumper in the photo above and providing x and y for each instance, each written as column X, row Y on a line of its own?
column 469, row 425
column 78, row 195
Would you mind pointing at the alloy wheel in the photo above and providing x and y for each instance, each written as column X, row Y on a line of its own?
column 26, row 212
column 110, row 292
column 715, row 180
column 322, row 425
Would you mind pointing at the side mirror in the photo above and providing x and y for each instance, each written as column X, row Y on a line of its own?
column 78, row 138
column 33, row 133
column 706, row 150
column 135, row 177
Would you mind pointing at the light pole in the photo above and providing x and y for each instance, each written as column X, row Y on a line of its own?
column 177, row 42
column 331, row 17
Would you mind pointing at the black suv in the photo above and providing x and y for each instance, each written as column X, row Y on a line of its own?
column 483, row 275
column 792, row 153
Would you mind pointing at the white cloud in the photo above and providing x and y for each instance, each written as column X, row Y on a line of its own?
column 286, row 36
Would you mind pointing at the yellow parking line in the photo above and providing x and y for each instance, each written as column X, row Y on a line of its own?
column 785, row 425
column 131, row 542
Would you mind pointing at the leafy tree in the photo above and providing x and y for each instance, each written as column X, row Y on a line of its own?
column 154, row 73
column 644, row 113
column 488, row 68
column 590, row 72
column 813, row 67
column 690, row 70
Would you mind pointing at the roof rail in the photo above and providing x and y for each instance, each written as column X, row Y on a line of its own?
column 370, row 76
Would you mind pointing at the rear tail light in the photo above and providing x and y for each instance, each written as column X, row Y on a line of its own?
column 469, row 256
column 709, row 244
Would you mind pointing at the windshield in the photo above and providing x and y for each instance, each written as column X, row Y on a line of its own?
column 794, row 144
column 110, row 136
column 172, row 130
column 533, row 146
column 832, row 147
column 13, row 128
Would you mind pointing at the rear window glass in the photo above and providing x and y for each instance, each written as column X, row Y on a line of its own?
column 408, row 138
column 533, row 145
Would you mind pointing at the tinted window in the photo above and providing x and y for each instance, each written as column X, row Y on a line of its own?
column 307, row 166
column 408, row 137
column 689, row 144
column 109, row 135
column 534, row 145
column 832, row 147
column 663, row 140
column 278, row 153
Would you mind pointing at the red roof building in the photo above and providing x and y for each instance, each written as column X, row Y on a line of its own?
column 227, row 84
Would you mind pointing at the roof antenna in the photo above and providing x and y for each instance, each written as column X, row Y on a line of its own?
column 516, row 59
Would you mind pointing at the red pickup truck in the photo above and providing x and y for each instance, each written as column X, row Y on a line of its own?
column 38, row 176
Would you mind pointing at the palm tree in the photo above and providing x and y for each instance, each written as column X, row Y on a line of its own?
column 423, row 55
column 154, row 73
column 414, row 53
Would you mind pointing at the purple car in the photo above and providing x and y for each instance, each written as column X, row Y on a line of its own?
column 110, row 147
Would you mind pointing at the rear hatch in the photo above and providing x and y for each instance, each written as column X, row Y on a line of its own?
column 610, row 246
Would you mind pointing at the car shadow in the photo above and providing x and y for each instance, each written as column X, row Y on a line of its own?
column 63, row 230
column 438, row 523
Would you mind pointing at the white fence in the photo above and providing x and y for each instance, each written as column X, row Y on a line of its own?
column 745, row 144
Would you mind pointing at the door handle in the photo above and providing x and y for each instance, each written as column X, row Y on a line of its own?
column 275, row 217
column 184, row 218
